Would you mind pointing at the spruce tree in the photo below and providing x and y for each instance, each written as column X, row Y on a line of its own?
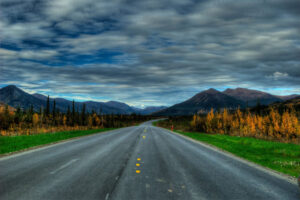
column 73, row 113
column 83, row 115
column 69, row 116
column 54, row 109
column 48, row 107
column 54, row 112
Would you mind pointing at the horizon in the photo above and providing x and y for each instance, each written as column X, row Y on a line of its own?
column 149, row 53
column 112, row 100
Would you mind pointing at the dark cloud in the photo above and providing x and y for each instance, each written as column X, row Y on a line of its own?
column 149, row 52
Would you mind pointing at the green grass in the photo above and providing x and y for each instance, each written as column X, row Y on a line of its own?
column 278, row 156
column 15, row 143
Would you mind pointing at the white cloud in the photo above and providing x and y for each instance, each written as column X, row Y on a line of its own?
column 278, row 75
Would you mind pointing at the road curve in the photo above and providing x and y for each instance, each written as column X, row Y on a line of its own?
column 107, row 166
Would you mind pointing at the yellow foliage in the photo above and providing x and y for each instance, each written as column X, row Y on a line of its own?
column 35, row 119
column 274, row 125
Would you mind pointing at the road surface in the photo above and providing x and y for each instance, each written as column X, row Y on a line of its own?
column 135, row 163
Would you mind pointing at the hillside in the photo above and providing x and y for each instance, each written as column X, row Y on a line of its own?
column 252, row 97
column 203, row 102
column 230, row 98
column 16, row 97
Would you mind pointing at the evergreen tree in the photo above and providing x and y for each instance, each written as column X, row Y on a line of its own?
column 54, row 109
column 47, row 112
column 83, row 115
column 18, row 115
column 68, row 116
column 31, row 110
column 73, row 113
column 54, row 112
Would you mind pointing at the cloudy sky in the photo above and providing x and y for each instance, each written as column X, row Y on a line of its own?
column 149, row 52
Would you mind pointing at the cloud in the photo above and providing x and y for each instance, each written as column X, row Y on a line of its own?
column 162, row 51
column 279, row 75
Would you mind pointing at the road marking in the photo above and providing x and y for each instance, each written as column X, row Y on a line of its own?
column 137, row 164
column 107, row 196
column 169, row 190
column 138, row 171
column 64, row 166
column 144, row 136
column 139, row 159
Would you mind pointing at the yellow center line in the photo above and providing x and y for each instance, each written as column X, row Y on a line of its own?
column 138, row 171
column 139, row 159
column 137, row 164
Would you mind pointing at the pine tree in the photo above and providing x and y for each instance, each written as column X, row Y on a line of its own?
column 48, row 107
column 54, row 109
column 73, row 113
column 83, row 115
column 69, row 116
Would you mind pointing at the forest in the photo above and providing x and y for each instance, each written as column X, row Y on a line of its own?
column 18, row 121
column 272, row 123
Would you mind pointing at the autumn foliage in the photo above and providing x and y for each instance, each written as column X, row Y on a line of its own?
column 27, row 122
column 273, row 125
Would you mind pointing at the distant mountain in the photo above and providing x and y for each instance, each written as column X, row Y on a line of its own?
column 252, row 97
column 119, row 105
column 15, row 97
column 230, row 98
column 40, row 96
column 149, row 110
column 282, row 106
column 203, row 102
column 288, row 97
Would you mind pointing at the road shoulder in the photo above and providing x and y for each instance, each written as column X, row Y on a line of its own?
column 272, row 172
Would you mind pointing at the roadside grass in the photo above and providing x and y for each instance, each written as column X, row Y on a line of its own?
column 282, row 157
column 16, row 143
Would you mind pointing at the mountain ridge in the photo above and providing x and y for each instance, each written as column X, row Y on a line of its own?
column 16, row 97
column 203, row 101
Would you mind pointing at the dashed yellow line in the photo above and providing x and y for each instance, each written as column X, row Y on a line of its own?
column 144, row 136
column 138, row 171
column 139, row 159
column 137, row 164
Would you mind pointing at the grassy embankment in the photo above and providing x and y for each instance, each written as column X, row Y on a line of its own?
column 282, row 157
column 16, row 143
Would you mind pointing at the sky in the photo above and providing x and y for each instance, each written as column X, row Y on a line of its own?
column 149, row 52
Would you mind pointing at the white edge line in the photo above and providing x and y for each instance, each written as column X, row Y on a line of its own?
column 49, row 145
column 107, row 196
column 272, row 172
column 64, row 166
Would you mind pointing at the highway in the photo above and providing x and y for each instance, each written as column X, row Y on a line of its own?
column 136, row 163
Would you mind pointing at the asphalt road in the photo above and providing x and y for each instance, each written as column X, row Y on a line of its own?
column 104, row 166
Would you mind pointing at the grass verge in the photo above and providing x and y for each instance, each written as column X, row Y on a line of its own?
column 281, row 157
column 16, row 143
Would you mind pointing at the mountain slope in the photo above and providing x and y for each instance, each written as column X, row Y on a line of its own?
column 288, row 97
column 119, row 105
column 15, row 97
column 203, row 102
column 148, row 110
column 252, row 97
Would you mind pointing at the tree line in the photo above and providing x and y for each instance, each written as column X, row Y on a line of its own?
column 28, row 121
column 272, row 123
